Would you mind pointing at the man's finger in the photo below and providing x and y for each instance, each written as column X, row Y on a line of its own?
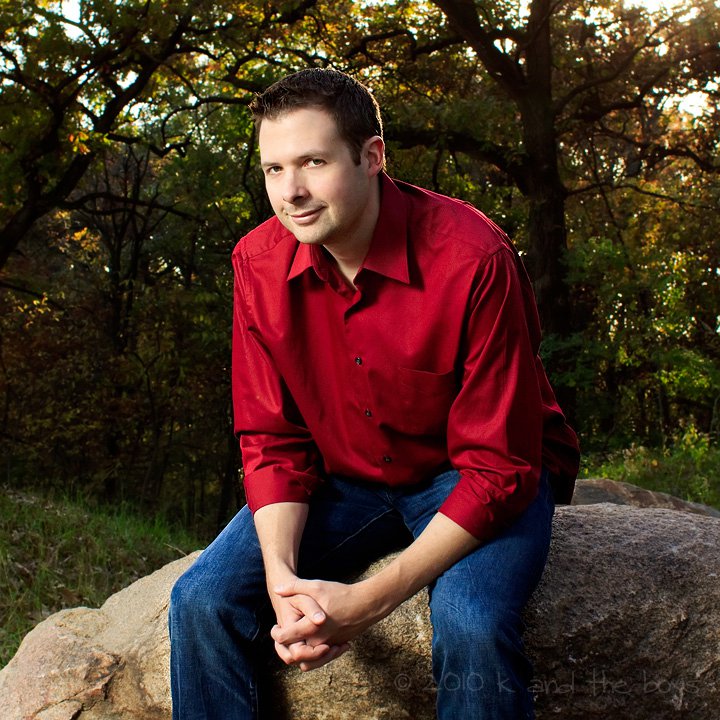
column 297, row 653
column 309, row 608
column 296, row 587
column 284, row 653
column 308, row 653
column 301, row 630
column 335, row 652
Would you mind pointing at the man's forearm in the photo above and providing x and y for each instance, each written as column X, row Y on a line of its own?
column 437, row 548
column 351, row 609
column 280, row 527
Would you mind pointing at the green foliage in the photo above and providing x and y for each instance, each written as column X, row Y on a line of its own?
column 689, row 468
column 645, row 277
column 116, row 379
column 59, row 553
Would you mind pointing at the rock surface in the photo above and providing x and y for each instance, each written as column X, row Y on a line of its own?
column 90, row 664
column 625, row 624
column 590, row 491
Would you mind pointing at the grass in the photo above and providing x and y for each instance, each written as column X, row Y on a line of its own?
column 57, row 553
column 689, row 468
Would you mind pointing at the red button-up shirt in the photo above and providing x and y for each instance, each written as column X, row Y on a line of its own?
column 430, row 363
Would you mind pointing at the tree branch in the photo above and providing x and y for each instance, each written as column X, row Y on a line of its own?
column 463, row 17
column 81, row 203
column 505, row 159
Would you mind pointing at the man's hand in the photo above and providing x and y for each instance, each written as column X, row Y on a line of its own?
column 349, row 610
column 279, row 527
column 301, row 637
column 303, row 617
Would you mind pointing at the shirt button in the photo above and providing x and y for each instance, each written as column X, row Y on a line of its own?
column 368, row 412
column 358, row 360
column 387, row 459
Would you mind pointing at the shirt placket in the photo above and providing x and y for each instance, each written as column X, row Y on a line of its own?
column 360, row 358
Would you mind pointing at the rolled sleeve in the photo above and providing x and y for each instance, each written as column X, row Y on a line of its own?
column 495, row 425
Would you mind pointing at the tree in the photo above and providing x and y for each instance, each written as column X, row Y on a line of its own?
column 615, row 68
column 115, row 319
column 646, row 279
column 563, row 122
column 71, row 86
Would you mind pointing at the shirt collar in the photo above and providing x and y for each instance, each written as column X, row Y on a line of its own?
column 388, row 249
column 388, row 253
column 306, row 257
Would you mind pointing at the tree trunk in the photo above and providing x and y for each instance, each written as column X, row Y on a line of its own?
column 529, row 85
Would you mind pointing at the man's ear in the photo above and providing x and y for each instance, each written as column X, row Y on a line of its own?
column 374, row 152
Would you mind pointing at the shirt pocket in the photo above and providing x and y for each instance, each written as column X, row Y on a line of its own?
column 420, row 401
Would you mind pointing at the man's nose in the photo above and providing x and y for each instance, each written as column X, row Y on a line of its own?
column 293, row 187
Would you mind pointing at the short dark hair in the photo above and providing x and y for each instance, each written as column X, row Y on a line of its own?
column 350, row 103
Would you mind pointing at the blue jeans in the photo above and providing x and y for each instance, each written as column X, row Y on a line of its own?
column 220, row 613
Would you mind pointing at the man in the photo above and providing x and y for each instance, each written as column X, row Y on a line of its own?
column 387, row 392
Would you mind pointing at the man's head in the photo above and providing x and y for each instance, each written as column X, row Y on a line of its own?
column 321, row 155
column 350, row 104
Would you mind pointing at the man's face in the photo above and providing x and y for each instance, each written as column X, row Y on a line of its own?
column 315, row 188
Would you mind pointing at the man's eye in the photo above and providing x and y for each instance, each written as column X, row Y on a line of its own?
column 272, row 170
column 315, row 162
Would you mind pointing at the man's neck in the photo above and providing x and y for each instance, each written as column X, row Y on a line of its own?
column 350, row 257
column 348, row 268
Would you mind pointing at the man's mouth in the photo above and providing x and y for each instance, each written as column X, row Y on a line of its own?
column 305, row 217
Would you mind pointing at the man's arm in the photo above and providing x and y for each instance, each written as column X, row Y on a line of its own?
column 280, row 462
column 279, row 527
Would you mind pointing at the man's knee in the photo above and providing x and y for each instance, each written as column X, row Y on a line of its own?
column 481, row 655
column 200, row 595
column 191, row 598
column 484, row 632
column 204, row 600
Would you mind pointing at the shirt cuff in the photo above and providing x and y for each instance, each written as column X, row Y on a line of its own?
column 484, row 514
column 273, row 485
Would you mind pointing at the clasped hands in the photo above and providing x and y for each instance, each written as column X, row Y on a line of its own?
column 316, row 619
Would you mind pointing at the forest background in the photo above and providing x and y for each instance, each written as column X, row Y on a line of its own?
column 128, row 170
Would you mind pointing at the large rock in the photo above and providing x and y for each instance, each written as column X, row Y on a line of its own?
column 626, row 624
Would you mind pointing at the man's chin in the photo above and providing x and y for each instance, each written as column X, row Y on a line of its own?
column 308, row 238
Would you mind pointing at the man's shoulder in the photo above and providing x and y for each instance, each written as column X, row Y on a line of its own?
column 443, row 219
column 270, row 238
